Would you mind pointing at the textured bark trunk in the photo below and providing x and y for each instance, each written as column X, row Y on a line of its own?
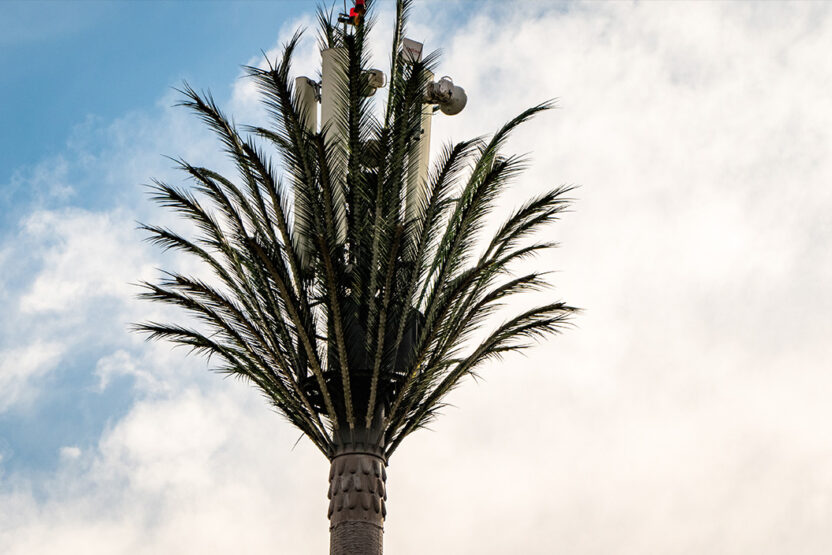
column 357, row 496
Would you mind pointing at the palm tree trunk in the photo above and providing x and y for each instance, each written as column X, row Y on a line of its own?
column 356, row 504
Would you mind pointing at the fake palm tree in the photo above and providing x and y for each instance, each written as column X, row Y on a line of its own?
column 353, row 296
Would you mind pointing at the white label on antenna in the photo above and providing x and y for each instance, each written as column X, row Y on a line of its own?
column 411, row 50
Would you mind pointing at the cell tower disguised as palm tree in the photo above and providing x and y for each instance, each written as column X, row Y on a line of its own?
column 350, row 283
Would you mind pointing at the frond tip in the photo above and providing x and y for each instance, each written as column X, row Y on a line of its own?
column 353, row 296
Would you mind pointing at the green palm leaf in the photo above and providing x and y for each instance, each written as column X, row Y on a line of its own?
column 354, row 298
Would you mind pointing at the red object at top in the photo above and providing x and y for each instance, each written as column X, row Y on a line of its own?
column 356, row 13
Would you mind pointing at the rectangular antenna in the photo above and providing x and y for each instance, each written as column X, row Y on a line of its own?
column 417, row 171
column 333, row 114
column 411, row 51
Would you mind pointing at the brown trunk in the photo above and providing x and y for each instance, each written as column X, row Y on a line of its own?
column 356, row 504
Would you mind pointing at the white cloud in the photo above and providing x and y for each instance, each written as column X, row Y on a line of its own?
column 685, row 414
column 200, row 470
column 48, row 179
column 20, row 366
column 122, row 363
column 681, row 415
column 86, row 256
column 72, row 291
column 70, row 453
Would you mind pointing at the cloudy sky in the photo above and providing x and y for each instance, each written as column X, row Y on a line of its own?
column 688, row 411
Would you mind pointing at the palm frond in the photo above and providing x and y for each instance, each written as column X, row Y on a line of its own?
column 352, row 295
